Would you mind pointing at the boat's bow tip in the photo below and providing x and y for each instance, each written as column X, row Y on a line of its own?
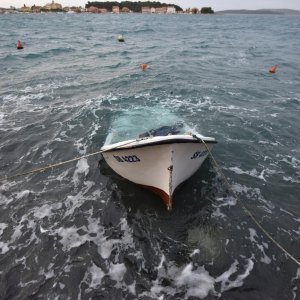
column 168, row 203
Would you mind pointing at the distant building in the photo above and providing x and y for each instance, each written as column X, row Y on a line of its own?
column 92, row 9
column 161, row 10
column 53, row 6
column 116, row 9
column 25, row 8
column 146, row 10
column 102, row 10
column 36, row 9
column 171, row 10
column 125, row 10
column 152, row 10
column 75, row 9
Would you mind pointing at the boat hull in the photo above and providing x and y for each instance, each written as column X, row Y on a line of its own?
column 159, row 167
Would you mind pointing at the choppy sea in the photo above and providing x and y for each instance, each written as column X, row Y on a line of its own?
column 81, row 231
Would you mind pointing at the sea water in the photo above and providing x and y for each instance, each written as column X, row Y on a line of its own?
column 80, row 231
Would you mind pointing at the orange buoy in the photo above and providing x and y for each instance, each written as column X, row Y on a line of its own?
column 19, row 45
column 143, row 66
column 273, row 69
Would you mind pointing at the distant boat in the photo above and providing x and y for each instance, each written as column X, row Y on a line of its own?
column 159, row 160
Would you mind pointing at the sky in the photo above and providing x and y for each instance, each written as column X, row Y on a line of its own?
column 216, row 5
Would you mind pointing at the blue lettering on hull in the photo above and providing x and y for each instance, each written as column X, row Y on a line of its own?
column 199, row 154
column 127, row 158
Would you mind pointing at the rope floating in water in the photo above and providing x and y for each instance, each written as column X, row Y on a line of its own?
column 266, row 233
column 42, row 169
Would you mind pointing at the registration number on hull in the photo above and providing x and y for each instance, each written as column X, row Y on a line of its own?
column 199, row 154
column 127, row 158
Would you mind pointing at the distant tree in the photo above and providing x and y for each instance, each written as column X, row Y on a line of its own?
column 194, row 10
column 133, row 6
column 206, row 10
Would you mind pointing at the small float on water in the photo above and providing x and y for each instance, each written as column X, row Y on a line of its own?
column 273, row 69
column 144, row 67
column 121, row 38
column 159, row 160
column 19, row 45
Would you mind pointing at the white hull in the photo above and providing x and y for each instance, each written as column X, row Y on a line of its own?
column 158, row 163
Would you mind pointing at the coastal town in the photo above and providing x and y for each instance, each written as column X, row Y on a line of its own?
column 55, row 7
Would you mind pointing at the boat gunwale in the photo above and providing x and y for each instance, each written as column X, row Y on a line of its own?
column 177, row 140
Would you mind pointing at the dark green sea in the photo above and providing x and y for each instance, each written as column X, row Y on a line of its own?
column 81, row 231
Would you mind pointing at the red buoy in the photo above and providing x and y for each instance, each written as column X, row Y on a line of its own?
column 19, row 45
column 143, row 66
column 273, row 69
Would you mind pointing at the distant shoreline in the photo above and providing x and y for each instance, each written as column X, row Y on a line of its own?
column 260, row 12
column 221, row 12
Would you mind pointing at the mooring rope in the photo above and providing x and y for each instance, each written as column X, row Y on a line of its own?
column 42, row 169
column 267, row 234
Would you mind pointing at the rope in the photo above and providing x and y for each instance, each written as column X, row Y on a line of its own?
column 43, row 169
column 267, row 234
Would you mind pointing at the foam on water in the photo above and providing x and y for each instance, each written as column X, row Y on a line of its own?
column 82, row 167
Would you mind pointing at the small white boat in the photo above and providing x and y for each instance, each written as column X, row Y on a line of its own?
column 159, row 162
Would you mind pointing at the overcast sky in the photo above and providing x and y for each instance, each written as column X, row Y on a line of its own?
column 215, row 4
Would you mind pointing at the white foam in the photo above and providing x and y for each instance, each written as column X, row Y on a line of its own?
column 265, row 259
column 131, row 288
column 23, row 194
column 17, row 233
column 81, row 167
column 46, row 152
column 253, row 235
column 269, row 143
column 253, row 172
column 4, row 200
column 2, row 227
column 290, row 179
column 81, row 148
column 43, row 230
column 198, row 282
column 227, row 284
column 22, row 285
column 74, row 201
column 217, row 213
column 295, row 288
column 117, row 271
column 196, row 251
column 48, row 274
column 70, row 238
column 287, row 212
column 254, row 193
column 46, row 210
column 290, row 160
column 4, row 247
column 94, row 276
column 162, row 260
column 62, row 176
column 61, row 285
